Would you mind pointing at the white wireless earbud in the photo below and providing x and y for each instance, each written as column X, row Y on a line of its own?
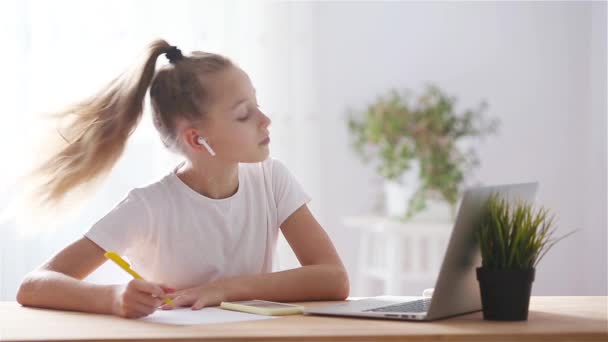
column 203, row 142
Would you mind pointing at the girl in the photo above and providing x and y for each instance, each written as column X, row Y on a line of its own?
column 204, row 233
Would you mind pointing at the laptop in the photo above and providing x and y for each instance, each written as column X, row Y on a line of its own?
column 456, row 290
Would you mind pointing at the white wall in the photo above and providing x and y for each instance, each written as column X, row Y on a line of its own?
column 541, row 67
column 595, row 154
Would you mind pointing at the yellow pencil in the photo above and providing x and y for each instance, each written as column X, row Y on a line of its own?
column 125, row 266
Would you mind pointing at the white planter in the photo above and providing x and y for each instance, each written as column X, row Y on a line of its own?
column 397, row 194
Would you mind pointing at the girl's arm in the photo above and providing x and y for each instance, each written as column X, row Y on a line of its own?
column 321, row 277
column 58, row 284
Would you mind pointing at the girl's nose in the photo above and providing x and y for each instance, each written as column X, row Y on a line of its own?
column 265, row 120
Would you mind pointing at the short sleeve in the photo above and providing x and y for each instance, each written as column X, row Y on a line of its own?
column 119, row 229
column 288, row 193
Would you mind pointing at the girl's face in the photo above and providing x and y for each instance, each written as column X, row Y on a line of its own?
column 234, row 126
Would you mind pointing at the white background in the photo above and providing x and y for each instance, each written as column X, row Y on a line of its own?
column 540, row 66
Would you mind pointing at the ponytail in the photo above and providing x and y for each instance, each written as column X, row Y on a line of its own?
column 97, row 130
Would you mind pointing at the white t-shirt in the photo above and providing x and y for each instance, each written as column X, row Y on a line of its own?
column 173, row 235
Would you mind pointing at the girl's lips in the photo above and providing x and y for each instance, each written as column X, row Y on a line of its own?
column 265, row 141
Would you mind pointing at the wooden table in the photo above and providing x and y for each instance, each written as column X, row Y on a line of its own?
column 550, row 319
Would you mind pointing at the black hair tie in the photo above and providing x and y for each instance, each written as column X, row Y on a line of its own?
column 173, row 54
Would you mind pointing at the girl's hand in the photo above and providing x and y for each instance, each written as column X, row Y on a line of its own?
column 138, row 298
column 197, row 297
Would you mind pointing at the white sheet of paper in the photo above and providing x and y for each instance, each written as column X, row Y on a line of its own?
column 187, row 316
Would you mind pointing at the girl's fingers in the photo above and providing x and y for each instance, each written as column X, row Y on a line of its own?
column 147, row 287
column 141, row 309
column 167, row 289
column 181, row 300
column 199, row 304
column 146, row 299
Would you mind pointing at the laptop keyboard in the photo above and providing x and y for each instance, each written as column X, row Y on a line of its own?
column 420, row 305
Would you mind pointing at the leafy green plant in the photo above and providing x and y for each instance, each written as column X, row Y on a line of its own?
column 514, row 236
column 395, row 131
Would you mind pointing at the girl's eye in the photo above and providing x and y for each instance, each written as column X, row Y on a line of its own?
column 247, row 116
column 249, row 113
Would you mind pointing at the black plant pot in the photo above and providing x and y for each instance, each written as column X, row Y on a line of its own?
column 505, row 294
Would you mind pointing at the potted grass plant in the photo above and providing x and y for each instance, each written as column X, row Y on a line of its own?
column 513, row 237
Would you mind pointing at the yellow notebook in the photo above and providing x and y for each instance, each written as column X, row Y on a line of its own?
column 262, row 307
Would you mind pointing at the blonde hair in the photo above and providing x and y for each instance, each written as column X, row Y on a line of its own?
column 98, row 127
